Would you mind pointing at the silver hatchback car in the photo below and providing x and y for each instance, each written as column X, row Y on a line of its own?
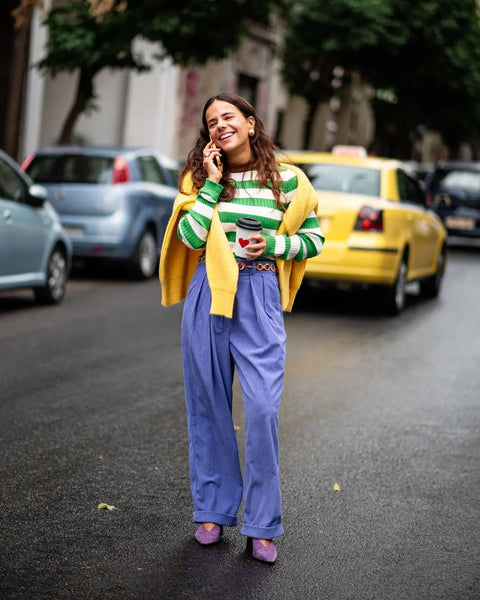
column 113, row 202
column 35, row 251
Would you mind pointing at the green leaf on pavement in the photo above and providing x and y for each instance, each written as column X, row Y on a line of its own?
column 104, row 506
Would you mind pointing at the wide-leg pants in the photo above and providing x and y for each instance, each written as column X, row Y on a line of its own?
column 253, row 343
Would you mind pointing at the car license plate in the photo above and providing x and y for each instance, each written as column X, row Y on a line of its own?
column 73, row 230
column 453, row 222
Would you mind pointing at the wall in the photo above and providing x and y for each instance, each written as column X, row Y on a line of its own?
column 151, row 99
column 102, row 126
column 162, row 108
column 254, row 61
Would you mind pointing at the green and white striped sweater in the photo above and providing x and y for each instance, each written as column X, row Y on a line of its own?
column 250, row 200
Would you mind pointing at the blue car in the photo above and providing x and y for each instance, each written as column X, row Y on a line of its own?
column 453, row 191
column 113, row 202
column 35, row 251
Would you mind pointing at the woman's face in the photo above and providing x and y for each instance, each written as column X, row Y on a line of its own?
column 228, row 127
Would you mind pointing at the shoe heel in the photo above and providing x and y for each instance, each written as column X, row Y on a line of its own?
column 249, row 544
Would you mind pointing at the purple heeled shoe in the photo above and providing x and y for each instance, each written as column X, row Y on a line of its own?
column 206, row 538
column 267, row 554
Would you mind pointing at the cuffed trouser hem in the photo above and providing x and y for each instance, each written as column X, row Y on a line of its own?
column 262, row 533
column 207, row 516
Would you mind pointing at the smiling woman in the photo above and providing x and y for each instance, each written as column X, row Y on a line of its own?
column 232, row 317
column 229, row 130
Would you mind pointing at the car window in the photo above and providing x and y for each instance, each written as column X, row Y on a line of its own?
column 459, row 179
column 71, row 168
column 151, row 170
column 12, row 187
column 409, row 189
column 344, row 178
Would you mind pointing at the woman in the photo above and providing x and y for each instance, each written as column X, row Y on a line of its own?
column 232, row 317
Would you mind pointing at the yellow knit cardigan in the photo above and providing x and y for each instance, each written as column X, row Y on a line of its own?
column 178, row 262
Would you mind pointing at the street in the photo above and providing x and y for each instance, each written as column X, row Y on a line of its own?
column 379, row 436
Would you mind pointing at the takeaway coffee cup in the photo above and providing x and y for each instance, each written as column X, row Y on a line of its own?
column 246, row 226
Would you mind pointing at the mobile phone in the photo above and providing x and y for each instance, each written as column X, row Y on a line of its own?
column 218, row 160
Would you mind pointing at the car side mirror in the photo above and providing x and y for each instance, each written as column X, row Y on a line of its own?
column 441, row 202
column 37, row 195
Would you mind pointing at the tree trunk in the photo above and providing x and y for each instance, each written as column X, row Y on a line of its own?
column 85, row 92
column 307, row 129
column 16, row 83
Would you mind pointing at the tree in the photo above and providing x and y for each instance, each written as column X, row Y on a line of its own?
column 324, row 34
column 91, row 35
column 425, row 54
column 435, row 73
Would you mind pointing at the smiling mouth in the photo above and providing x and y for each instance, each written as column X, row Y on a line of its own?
column 225, row 137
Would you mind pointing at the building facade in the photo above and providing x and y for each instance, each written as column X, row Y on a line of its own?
column 162, row 108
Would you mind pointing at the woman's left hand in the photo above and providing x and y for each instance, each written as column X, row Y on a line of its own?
column 256, row 247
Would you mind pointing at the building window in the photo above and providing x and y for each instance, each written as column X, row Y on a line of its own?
column 247, row 88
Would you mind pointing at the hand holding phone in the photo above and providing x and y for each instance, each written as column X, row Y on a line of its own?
column 212, row 161
column 218, row 160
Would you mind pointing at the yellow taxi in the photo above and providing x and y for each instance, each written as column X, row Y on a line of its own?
column 378, row 228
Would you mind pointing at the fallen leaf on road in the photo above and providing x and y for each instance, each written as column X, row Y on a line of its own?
column 336, row 488
column 104, row 506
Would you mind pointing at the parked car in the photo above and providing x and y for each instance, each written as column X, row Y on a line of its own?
column 454, row 193
column 35, row 252
column 378, row 228
column 114, row 202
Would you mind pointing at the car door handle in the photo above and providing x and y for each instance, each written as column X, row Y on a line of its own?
column 7, row 215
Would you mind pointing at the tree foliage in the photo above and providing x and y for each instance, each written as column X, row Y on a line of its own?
column 425, row 53
column 91, row 35
column 324, row 34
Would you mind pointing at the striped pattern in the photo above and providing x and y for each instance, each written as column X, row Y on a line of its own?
column 251, row 200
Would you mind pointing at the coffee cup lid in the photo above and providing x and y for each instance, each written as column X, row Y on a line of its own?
column 249, row 223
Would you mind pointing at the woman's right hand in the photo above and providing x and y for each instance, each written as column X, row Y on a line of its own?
column 210, row 154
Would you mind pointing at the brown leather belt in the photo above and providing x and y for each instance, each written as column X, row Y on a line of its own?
column 259, row 266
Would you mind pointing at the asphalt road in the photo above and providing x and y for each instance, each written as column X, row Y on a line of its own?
column 387, row 411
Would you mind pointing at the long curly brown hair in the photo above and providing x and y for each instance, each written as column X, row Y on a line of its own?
column 262, row 150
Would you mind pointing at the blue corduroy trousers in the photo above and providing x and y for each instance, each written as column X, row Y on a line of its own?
column 253, row 343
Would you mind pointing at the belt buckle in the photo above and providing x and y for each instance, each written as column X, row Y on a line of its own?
column 242, row 265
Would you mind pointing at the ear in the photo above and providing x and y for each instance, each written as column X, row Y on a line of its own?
column 251, row 121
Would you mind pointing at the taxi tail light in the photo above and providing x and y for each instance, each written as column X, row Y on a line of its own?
column 121, row 172
column 369, row 219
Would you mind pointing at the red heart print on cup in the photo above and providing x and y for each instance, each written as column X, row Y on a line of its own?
column 244, row 228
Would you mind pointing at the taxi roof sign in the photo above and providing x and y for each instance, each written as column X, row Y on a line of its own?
column 352, row 151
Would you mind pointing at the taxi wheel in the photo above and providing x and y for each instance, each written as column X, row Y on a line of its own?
column 430, row 287
column 395, row 295
column 56, row 279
